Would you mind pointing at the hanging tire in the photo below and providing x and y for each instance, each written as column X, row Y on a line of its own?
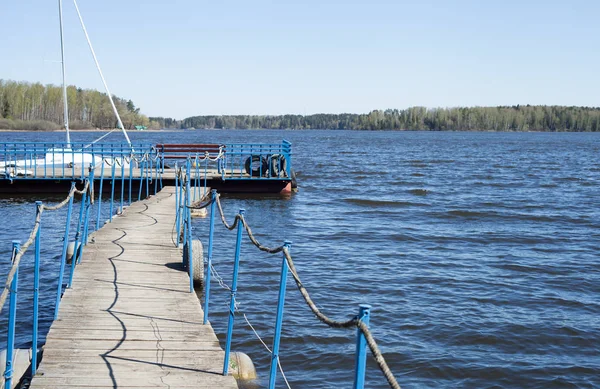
column 293, row 177
column 278, row 165
column 256, row 165
column 197, row 262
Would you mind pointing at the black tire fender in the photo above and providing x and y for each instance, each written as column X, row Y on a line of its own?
column 256, row 165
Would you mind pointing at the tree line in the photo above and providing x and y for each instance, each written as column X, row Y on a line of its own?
column 505, row 118
column 25, row 105
column 29, row 106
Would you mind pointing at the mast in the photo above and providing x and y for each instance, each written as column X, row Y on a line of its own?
column 64, row 85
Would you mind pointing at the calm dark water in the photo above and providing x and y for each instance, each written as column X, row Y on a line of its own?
column 478, row 252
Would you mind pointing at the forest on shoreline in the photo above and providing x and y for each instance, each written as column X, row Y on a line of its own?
column 506, row 118
column 35, row 107
column 28, row 106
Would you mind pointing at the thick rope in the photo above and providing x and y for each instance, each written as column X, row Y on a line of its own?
column 18, row 256
column 313, row 307
column 377, row 355
column 207, row 155
column 61, row 204
column 256, row 242
column 227, row 225
column 202, row 203
column 25, row 246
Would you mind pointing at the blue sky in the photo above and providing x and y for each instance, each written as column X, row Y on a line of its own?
column 181, row 58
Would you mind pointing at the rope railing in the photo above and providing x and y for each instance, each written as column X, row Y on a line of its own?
column 31, row 239
column 356, row 321
column 18, row 255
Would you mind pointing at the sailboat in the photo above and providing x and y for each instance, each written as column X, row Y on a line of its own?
column 66, row 156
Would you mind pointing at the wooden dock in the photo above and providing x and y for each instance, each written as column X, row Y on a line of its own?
column 129, row 319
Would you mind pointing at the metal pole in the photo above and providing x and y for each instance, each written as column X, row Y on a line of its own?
column 279, row 319
column 364, row 313
column 84, row 237
column 176, row 203
column 162, row 170
column 36, row 290
column 130, row 174
column 76, row 248
column 205, row 176
column 148, row 177
column 112, row 191
column 156, row 176
column 236, row 266
column 188, row 217
column 210, row 252
column 89, row 207
column 100, row 195
column 122, row 182
column 196, row 171
column 141, row 179
column 179, row 210
column 63, row 258
column 12, row 321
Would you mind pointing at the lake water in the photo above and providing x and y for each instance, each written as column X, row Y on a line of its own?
column 477, row 251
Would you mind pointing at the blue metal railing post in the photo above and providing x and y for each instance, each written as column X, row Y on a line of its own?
column 63, row 258
column 196, row 173
column 36, row 290
column 162, row 169
column 156, row 166
column 84, row 235
column 236, row 266
column 177, row 204
column 112, row 190
column 148, row 176
column 77, row 248
column 279, row 319
column 179, row 210
column 100, row 195
column 188, row 216
column 130, row 176
column 141, row 179
column 211, row 230
column 89, row 207
column 183, row 205
column 122, row 183
column 364, row 312
column 12, row 321
column 205, row 176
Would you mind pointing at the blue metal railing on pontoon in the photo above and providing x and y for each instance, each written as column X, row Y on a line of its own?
column 233, row 161
column 41, row 160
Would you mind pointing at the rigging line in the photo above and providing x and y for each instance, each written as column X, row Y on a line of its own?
column 102, row 137
column 112, row 103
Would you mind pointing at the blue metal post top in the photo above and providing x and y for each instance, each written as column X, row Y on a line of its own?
column 364, row 313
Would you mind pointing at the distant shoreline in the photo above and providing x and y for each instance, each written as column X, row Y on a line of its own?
column 89, row 130
column 294, row 129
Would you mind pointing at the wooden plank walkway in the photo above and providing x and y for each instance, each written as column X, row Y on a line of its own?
column 130, row 320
